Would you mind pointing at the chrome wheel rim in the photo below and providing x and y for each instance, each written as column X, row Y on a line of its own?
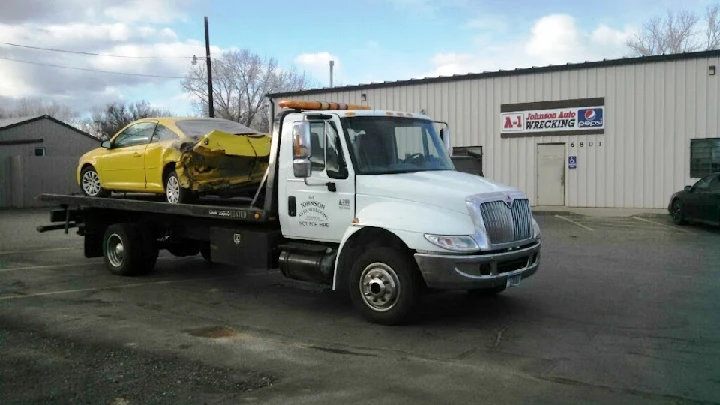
column 91, row 183
column 172, row 190
column 379, row 287
column 115, row 250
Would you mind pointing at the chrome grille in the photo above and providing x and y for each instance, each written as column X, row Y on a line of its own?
column 507, row 224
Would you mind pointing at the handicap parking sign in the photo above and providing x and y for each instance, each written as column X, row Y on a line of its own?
column 572, row 162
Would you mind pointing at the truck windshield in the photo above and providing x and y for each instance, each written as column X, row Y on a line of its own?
column 385, row 145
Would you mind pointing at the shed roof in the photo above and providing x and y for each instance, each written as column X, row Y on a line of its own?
column 7, row 123
column 502, row 73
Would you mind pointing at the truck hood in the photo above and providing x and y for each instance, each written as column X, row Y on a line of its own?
column 445, row 189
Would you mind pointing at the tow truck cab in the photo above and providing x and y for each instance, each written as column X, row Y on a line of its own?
column 378, row 189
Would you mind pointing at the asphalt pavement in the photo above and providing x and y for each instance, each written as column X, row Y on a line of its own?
column 622, row 310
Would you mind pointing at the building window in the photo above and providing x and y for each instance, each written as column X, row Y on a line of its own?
column 704, row 157
column 40, row 151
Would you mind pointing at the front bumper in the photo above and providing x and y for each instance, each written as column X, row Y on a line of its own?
column 469, row 272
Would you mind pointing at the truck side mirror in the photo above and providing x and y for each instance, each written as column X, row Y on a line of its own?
column 689, row 189
column 301, row 149
column 445, row 136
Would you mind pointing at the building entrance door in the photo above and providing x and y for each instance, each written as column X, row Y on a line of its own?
column 550, row 174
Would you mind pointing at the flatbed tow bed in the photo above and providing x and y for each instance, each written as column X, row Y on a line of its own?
column 228, row 211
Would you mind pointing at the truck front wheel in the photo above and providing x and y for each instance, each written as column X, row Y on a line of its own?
column 385, row 285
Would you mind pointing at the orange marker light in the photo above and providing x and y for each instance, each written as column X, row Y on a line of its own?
column 297, row 145
column 320, row 105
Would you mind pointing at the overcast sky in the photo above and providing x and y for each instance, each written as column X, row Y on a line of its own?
column 371, row 40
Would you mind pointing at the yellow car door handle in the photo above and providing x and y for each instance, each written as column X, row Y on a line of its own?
column 137, row 155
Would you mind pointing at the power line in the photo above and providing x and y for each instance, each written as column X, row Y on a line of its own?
column 95, row 54
column 90, row 70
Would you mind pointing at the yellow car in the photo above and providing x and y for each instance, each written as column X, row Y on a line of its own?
column 181, row 158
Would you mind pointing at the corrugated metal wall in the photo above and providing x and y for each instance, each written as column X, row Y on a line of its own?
column 652, row 111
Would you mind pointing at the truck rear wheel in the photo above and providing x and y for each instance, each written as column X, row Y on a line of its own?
column 385, row 285
column 127, row 252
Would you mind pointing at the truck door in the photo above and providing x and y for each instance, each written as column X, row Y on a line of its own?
column 322, row 206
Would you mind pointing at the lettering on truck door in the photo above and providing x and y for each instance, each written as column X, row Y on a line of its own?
column 315, row 211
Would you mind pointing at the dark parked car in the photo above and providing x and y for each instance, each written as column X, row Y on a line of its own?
column 697, row 203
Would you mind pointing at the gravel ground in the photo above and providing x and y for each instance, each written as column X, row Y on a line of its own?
column 37, row 368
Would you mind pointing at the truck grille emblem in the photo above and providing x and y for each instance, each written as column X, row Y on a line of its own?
column 508, row 201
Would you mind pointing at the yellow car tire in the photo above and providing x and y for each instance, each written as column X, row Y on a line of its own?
column 176, row 194
column 90, row 183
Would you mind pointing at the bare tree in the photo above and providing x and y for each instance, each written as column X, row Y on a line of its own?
column 240, row 81
column 712, row 34
column 33, row 106
column 678, row 32
column 108, row 120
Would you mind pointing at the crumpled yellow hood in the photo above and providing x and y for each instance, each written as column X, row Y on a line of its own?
column 224, row 162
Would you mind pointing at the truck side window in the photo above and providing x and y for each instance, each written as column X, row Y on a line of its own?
column 334, row 162
column 317, row 142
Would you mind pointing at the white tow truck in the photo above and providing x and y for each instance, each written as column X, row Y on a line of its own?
column 365, row 201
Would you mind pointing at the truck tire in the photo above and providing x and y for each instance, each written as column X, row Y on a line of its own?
column 151, row 251
column 124, row 251
column 385, row 285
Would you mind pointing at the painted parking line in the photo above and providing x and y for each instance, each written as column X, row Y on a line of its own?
column 132, row 285
column 26, row 251
column 573, row 222
column 83, row 264
column 52, row 266
column 664, row 225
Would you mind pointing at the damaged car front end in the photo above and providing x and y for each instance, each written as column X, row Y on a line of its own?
column 225, row 159
column 224, row 164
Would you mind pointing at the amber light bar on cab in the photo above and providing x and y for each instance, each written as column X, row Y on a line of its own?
column 319, row 105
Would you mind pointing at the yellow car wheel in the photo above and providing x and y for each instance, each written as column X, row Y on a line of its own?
column 176, row 194
column 90, row 183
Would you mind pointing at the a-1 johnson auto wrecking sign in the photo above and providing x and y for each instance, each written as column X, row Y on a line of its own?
column 564, row 119
column 586, row 116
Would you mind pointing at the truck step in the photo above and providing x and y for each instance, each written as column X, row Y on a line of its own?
column 304, row 247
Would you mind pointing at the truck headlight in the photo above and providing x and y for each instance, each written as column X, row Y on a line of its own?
column 536, row 229
column 453, row 243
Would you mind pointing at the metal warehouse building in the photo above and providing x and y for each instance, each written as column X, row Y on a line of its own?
column 39, row 154
column 622, row 133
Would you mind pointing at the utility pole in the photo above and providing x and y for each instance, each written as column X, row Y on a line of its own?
column 211, row 105
column 332, row 64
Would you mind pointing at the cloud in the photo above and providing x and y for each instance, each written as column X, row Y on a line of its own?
column 318, row 65
column 98, row 26
column 553, row 39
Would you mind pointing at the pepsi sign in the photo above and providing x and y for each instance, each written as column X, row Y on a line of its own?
column 590, row 118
